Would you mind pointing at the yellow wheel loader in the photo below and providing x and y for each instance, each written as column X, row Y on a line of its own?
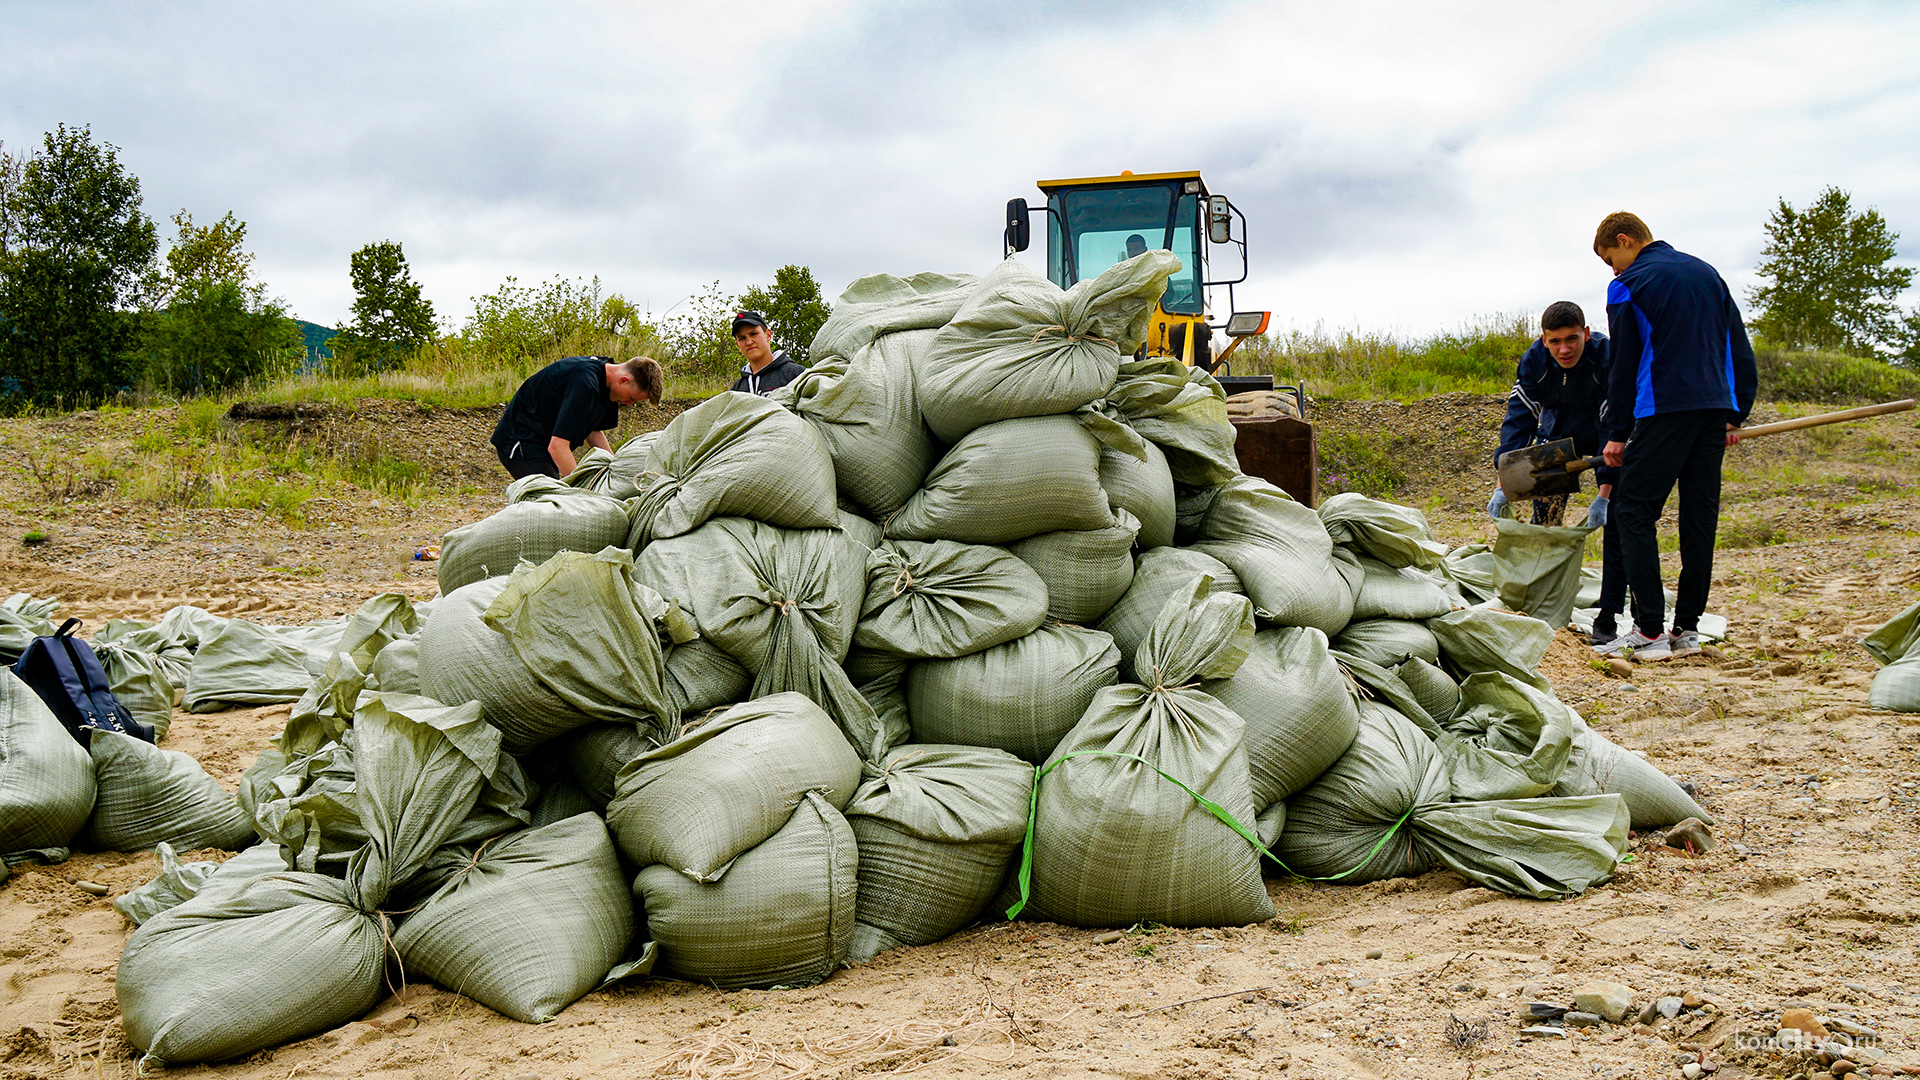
column 1094, row 222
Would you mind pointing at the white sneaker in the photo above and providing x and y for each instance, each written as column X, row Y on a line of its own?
column 1684, row 643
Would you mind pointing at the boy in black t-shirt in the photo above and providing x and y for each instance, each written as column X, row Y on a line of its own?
column 567, row 403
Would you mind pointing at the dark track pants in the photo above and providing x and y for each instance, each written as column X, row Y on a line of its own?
column 1682, row 449
column 1613, row 576
column 525, row 459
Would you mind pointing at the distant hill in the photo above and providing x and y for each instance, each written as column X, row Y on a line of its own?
column 317, row 337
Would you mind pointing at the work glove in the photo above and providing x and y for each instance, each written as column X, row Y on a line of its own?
column 1597, row 513
column 1496, row 504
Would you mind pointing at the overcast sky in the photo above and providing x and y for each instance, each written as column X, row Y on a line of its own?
column 1403, row 167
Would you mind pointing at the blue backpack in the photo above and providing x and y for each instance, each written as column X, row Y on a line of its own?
column 66, row 674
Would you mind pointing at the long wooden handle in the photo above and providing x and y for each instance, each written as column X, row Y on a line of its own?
column 1827, row 418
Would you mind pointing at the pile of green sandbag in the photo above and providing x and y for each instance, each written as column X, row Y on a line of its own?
column 979, row 615
column 1896, row 687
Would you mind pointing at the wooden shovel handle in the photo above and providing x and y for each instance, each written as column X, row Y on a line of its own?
column 1826, row 418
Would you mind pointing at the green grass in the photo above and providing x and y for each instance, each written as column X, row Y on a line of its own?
column 1478, row 358
column 1362, row 462
column 33, row 537
column 1831, row 378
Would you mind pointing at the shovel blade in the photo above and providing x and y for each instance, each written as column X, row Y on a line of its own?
column 1537, row 472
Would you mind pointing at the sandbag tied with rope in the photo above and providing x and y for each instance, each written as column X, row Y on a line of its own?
column 1007, row 481
column 293, row 953
column 1143, row 487
column 1021, row 346
column 1280, row 552
column 1385, row 809
column 936, row 829
column 1381, row 591
column 526, row 923
column 785, row 604
column 1138, row 814
column 733, row 455
column 542, row 516
column 943, row 599
column 864, row 409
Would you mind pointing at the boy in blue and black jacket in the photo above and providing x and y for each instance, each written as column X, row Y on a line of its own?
column 1683, row 382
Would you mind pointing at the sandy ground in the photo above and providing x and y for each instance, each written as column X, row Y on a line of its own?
column 1812, row 898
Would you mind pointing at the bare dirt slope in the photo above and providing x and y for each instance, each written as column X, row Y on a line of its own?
column 1814, row 896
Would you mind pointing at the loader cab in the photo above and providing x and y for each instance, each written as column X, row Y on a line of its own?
column 1097, row 221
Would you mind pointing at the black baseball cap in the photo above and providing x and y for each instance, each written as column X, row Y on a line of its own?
column 748, row 318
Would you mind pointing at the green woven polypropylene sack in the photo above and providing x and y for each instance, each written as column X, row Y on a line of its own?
column 397, row 668
column 612, row 474
column 1898, row 639
column 860, row 530
column 463, row 659
column 1486, row 639
column 886, row 304
column 943, row 599
column 784, row 603
column 1120, row 834
column 592, row 635
column 1158, row 573
column 1086, row 571
column 1508, row 740
column 314, row 945
column 936, row 829
column 1143, row 489
column 176, row 884
column 1388, row 642
column 864, row 409
column 783, row 916
column 23, row 618
column 46, row 778
column 313, row 961
column 1537, row 569
column 543, row 516
column 1396, row 535
column 698, row 802
column 1438, row 695
column 140, row 680
column 149, row 796
column 1597, row 765
column 734, row 455
column 530, row 923
column 1896, row 687
column 1020, row 346
column 595, row 754
column 1008, row 481
column 1382, row 811
column 1281, row 554
column 1470, row 568
column 1020, row 697
column 700, row 675
column 1183, row 411
column 1388, row 593
column 1299, row 713
column 245, row 664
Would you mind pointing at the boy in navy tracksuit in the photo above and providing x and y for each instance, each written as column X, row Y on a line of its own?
column 1559, row 391
column 1683, row 382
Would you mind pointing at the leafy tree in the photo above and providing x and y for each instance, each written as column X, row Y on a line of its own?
column 217, row 328
column 1830, row 283
column 390, row 317
column 76, row 254
column 793, row 307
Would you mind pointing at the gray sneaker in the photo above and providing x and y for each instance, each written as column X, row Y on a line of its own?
column 1638, row 647
column 1684, row 643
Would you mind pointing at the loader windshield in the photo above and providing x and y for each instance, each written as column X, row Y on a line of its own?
column 1101, row 220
